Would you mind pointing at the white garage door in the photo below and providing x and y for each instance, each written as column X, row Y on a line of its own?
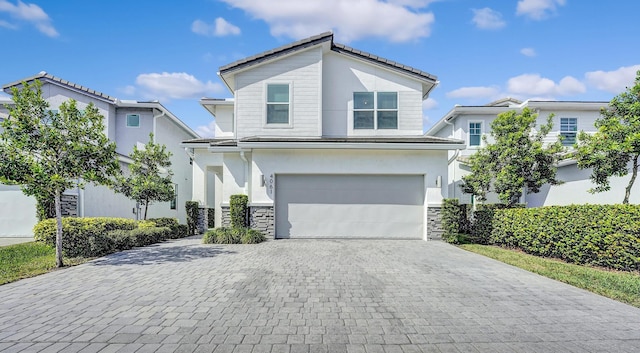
column 351, row 206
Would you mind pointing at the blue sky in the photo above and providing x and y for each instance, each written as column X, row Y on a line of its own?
column 479, row 50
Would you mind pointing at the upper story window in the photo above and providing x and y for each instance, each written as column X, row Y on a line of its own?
column 375, row 110
column 133, row 120
column 568, row 130
column 475, row 133
column 278, row 103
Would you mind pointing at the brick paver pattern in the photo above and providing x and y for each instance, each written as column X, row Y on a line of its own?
column 307, row 296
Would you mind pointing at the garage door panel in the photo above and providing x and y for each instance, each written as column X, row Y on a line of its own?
column 349, row 206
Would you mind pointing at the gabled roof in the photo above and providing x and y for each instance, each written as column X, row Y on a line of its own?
column 48, row 78
column 507, row 104
column 325, row 39
column 45, row 77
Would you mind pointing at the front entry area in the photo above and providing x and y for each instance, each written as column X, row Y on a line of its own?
column 349, row 206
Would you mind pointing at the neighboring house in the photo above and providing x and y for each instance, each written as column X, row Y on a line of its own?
column 127, row 123
column 471, row 123
column 326, row 141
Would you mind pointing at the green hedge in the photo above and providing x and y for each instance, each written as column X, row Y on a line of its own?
column 82, row 237
column 599, row 235
column 238, row 207
column 225, row 235
column 454, row 220
column 192, row 217
column 92, row 237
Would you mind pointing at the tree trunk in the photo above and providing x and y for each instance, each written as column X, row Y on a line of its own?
column 146, row 207
column 634, row 174
column 58, row 205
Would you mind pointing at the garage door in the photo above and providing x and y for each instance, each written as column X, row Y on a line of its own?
column 351, row 206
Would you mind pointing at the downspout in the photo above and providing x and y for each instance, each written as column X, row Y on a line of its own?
column 246, row 173
column 155, row 119
column 453, row 158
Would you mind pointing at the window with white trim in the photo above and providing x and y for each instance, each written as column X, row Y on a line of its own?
column 278, row 103
column 133, row 120
column 375, row 110
column 568, row 130
column 475, row 134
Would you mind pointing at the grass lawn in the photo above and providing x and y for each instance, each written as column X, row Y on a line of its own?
column 28, row 260
column 617, row 285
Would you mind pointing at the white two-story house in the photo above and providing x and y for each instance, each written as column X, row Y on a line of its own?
column 471, row 123
column 127, row 123
column 326, row 141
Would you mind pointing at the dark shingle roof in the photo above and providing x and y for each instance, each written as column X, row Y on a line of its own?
column 336, row 47
column 43, row 76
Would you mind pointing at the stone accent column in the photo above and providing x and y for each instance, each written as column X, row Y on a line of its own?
column 434, row 223
column 69, row 205
column 261, row 219
column 203, row 220
column 226, row 216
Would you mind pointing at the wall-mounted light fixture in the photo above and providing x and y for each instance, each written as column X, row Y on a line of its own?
column 263, row 181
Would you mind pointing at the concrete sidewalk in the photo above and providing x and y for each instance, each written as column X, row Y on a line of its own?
column 307, row 296
column 4, row 241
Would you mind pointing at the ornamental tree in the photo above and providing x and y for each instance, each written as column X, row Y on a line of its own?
column 517, row 160
column 150, row 179
column 616, row 144
column 47, row 152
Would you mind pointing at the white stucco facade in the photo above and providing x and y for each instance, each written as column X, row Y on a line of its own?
column 331, row 172
column 96, row 201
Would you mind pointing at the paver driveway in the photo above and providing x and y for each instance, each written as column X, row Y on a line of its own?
column 307, row 296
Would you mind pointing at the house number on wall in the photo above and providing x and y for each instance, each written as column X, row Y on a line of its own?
column 270, row 184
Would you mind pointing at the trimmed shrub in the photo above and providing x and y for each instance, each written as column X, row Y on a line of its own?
column 598, row 235
column 148, row 236
column 225, row 235
column 482, row 222
column 211, row 217
column 181, row 231
column 454, row 219
column 192, row 217
column 171, row 223
column 252, row 236
column 122, row 239
column 239, row 209
column 146, row 224
column 85, row 237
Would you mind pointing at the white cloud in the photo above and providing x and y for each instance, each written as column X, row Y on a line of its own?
column 528, row 85
column 474, row 92
column 615, row 81
column 429, row 104
column 175, row 85
column 31, row 13
column 207, row 130
column 395, row 20
column 219, row 28
column 530, row 52
column 487, row 18
column 538, row 9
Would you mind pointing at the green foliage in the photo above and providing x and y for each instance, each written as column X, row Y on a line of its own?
column 47, row 152
column 45, row 207
column 482, row 223
column 181, row 231
column 83, row 237
column 150, row 178
column 192, row 216
column 598, row 235
column 517, row 159
column 211, row 217
column 146, row 224
column 615, row 144
column 148, row 236
column 454, row 221
column 225, row 235
column 172, row 223
column 239, row 210
column 122, row 239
